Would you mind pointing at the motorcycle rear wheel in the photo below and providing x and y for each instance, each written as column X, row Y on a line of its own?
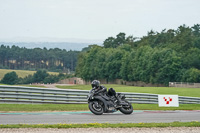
column 126, row 109
column 94, row 109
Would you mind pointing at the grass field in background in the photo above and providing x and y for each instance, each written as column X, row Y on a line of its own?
column 190, row 92
column 84, row 107
column 26, row 85
column 20, row 73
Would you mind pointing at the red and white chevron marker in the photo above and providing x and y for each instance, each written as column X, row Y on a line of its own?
column 168, row 101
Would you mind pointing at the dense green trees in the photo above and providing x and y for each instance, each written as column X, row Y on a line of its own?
column 158, row 57
column 37, row 58
column 39, row 76
column 120, row 39
column 10, row 78
column 171, row 55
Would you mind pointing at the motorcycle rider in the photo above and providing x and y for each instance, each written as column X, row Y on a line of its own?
column 98, row 88
column 102, row 90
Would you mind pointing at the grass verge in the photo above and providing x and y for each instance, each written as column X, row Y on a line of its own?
column 43, row 107
column 25, row 85
column 191, row 92
column 82, row 107
column 106, row 125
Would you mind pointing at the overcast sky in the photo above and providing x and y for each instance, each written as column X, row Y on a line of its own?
column 92, row 19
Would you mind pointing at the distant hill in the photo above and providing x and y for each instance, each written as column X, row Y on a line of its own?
column 62, row 45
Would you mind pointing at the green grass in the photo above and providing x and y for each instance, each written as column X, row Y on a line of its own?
column 156, row 107
column 81, row 107
column 43, row 107
column 191, row 92
column 26, row 85
column 106, row 125
column 20, row 73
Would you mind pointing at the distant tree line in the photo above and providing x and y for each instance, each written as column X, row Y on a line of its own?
column 34, row 59
column 158, row 57
column 41, row 76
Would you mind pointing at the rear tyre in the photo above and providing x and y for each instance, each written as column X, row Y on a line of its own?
column 96, row 108
column 126, row 109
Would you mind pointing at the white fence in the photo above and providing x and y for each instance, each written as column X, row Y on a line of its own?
column 184, row 84
column 18, row 94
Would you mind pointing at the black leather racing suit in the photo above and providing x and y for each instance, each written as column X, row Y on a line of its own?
column 101, row 90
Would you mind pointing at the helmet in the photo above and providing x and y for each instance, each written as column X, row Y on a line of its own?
column 95, row 83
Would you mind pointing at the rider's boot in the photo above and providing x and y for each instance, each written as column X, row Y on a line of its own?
column 119, row 101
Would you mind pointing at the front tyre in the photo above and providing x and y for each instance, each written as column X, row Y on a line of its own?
column 96, row 108
column 126, row 109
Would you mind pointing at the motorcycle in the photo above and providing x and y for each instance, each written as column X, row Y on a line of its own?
column 99, row 104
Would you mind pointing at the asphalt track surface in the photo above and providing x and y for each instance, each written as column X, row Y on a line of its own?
column 137, row 116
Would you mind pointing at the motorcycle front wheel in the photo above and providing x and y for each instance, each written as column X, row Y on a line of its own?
column 126, row 109
column 96, row 108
